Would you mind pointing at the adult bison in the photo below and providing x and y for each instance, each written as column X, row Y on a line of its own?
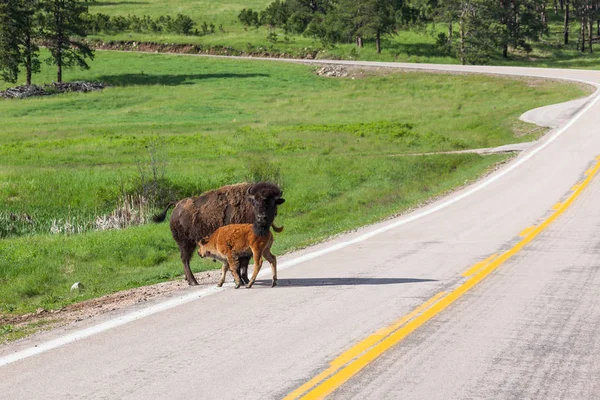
column 196, row 217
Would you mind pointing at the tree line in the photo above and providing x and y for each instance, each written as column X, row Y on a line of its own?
column 587, row 13
column 60, row 25
column 476, row 29
column 56, row 24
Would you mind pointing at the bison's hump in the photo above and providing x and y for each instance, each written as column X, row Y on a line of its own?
column 265, row 190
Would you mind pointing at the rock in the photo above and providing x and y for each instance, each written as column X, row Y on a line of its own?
column 77, row 286
column 334, row 71
column 21, row 92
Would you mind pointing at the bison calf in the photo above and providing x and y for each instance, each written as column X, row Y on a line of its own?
column 231, row 242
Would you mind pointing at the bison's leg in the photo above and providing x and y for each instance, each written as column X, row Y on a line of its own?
column 234, row 264
column 257, row 265
column 224, row 269
column 187, row 250
column 244, row 261
column 273, row 261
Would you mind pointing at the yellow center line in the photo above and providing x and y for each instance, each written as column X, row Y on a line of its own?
column 527, row 231
column 480, row 265
column 360, row 347
column 359, row 356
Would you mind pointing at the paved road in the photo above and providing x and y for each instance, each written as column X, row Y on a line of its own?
column 528, row 330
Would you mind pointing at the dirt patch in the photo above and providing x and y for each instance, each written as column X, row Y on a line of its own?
column 521, row 128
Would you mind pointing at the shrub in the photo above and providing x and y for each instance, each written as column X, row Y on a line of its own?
column 181, row 24
column 249, row 18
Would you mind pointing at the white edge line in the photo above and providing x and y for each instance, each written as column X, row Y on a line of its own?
column 154, row 309
column 113, row 323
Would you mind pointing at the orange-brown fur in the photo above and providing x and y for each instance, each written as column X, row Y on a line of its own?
column 231, row 242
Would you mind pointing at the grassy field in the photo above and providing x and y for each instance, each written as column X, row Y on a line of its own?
column 333, row 144
column 408, row 46
column 218, row 12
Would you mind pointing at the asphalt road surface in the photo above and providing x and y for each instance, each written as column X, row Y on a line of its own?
column 490, row 293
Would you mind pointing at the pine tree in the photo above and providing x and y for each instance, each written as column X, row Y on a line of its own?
column 476, row 27
column 10, row 54
column 380, row 19
column 364, row 19
column 521, row 21
column 30, row 31
column 62, row 23
column 447, row 11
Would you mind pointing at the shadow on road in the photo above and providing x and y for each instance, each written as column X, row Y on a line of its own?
column 340, row 281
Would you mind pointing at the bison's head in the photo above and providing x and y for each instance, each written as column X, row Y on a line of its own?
column 202, row 250
column 265, row 197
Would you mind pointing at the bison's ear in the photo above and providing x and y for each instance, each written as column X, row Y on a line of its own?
column 203, row 241
column 279, row 201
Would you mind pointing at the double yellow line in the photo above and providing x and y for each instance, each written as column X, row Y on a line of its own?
column 363, row 353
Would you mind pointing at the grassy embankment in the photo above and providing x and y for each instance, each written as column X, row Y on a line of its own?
column 415, row 45
column 331, row 143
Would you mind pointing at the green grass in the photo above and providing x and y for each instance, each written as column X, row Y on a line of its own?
column 332, row 144
column 416, row 45
column 218, row 12
column 10, row 332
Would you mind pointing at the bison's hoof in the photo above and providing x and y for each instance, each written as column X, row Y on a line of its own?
column 220, row 284
column 237, row 285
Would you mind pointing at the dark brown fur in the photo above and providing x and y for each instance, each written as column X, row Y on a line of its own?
column 196, row 217
column 229, row 243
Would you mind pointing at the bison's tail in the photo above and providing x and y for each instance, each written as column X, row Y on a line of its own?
column 276, row 228
column 161, row 217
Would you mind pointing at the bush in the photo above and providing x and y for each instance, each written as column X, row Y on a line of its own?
column 97, row 23
column 249, row 18
column 181, row 24
column 276, row 14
